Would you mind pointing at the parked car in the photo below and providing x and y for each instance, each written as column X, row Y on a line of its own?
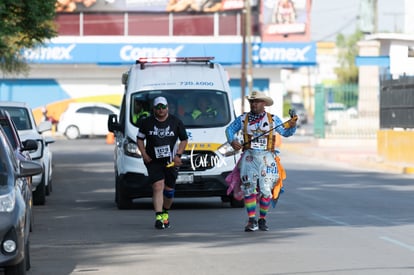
column 15, row 211
column 23, row 118
column 86, row 119
column 335, row 112
column 21, row 149
column 301, row 112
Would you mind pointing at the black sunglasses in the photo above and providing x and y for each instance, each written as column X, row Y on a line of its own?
column 161, row 106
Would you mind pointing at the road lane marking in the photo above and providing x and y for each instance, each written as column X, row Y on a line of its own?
column 330, row 219
column 396, row 242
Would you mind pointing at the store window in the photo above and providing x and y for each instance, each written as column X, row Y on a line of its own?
column 189, row 25
column 229, row 24
column 148, row 24
column 103, row 24
column 68, row 24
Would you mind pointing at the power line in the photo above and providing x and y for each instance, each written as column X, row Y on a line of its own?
column 346, row 25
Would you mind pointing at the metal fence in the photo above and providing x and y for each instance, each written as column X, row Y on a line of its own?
column 397, row 103
column 346, row 111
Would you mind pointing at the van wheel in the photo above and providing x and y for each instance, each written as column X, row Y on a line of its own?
column 72, row 132
column 39, row 195
column 122, row 201
column 236, row 203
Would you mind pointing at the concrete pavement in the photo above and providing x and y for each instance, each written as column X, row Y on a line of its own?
column 358, row 152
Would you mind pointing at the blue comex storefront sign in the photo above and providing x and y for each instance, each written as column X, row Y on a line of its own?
column 283, row 54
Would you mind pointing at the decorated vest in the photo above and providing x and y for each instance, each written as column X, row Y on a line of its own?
column 250, row 131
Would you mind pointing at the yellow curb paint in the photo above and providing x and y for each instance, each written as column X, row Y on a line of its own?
column 408, row 170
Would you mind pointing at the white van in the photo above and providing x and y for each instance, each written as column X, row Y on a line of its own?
column 186, row 83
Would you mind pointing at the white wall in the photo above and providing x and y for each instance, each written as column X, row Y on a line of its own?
column 400, row 63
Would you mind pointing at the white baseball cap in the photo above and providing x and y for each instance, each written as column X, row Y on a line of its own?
column 160, row 100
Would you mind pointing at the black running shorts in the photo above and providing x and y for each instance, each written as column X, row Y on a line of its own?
column 158, row 171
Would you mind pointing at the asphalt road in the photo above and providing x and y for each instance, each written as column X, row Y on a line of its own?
column 332, row 219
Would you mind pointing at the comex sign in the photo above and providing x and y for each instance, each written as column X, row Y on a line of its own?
column 81, row 53
column 53, row 53
column 263, row 53
column 292, row 53
column 131, row 53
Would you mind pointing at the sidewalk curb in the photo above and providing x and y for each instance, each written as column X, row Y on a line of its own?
column 347, row 154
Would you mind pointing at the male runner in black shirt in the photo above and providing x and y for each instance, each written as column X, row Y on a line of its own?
column 161, row 132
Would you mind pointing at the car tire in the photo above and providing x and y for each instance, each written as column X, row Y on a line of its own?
column 31, row 220
column 72, row 132
column 18, row 269
column 122, row 201
column 27, row 255
column 39, row 195
column 48, row 188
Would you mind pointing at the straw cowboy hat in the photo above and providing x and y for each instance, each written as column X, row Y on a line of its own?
column 260, row 96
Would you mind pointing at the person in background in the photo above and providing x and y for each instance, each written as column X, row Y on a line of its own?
column 203, row 109
column 258, row 167
column 161, row 133
column 139, row 111
column 172, row 108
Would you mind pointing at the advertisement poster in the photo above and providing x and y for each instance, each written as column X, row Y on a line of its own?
column 194, row 6
column 285, row 20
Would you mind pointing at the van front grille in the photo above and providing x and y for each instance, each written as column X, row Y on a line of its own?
column 199, row 161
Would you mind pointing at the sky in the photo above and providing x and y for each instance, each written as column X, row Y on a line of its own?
column 331, row 17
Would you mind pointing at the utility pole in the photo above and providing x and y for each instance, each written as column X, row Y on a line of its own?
column 243, row 61
column 375, row 15
column 368, row 16
column 246, row 74
column 249, row 76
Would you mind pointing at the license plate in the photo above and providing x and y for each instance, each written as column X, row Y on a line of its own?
column 185, row 178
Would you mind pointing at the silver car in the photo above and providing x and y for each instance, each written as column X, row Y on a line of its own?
column 22, row 117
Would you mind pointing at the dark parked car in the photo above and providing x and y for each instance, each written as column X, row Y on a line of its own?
column 21, row 149
column 14, row 208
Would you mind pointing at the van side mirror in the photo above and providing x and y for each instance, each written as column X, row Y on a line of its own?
column 124, row 78
column 113, row 124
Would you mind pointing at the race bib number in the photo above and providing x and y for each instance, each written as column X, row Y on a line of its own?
column 259, row 144
column 162, row 151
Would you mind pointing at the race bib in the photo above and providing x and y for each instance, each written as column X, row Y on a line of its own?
column 162, row 151
column 259, row 144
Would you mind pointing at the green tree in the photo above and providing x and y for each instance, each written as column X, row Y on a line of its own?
column 347, row 72
column 23, row 24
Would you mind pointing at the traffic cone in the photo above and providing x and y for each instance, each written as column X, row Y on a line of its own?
column 110, row 138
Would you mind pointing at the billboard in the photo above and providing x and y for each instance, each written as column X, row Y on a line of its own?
column 264, row 54
column 285, row 20
column 194, row 6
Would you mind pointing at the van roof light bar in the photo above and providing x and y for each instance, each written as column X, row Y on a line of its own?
column 153, row 60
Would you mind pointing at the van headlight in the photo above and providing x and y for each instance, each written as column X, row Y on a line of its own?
column 226, row 150
column 8, row 201
column 131, row 149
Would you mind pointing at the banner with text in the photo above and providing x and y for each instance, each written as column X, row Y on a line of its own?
column 285, row 20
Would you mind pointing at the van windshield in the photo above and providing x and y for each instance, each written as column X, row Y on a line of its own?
column 197, row 109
